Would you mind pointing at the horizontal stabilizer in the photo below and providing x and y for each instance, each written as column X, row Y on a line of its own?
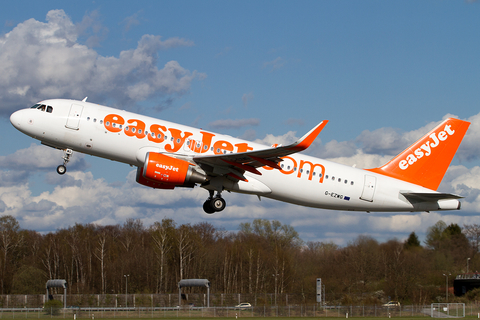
column 430, row 196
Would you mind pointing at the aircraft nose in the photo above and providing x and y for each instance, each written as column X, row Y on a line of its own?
column 16, row 119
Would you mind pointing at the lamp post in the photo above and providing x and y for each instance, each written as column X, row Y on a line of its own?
column 468, row 259
column 126, row 289
column 446, row 285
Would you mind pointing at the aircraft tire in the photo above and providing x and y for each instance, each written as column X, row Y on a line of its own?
column 207, row 207
column 61, row 169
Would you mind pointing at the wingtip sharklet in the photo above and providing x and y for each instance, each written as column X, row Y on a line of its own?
column 305, row 141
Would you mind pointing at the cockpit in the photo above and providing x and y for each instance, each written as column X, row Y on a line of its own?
column 43, row 108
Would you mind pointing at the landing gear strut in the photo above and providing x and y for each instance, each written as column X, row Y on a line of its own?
column 61, row 169
column 214, row 204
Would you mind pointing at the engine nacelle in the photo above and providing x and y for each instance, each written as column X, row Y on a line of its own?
column 168, row 171
column 151, row 183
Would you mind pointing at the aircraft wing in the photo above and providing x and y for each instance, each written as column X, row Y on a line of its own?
column 234, row 163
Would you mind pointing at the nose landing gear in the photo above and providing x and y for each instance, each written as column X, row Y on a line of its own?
column 61, row 169
column 214, row 204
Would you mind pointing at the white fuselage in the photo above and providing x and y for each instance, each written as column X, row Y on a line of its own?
column 303, row 180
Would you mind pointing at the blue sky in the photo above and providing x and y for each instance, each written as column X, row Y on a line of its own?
column 382, row 72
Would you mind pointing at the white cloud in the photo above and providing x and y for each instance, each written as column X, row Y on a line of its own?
column 286, row 139
column 470, row 148
column 85, row 199
column 38, row 157
column 40, row 60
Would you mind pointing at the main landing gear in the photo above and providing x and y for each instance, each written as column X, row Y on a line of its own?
column 214, row 204
column 61, row 169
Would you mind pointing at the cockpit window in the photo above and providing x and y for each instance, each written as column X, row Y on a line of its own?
column 43, row 107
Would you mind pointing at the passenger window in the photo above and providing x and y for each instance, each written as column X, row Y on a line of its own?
column 351, row 183
column 139, row 131
column 94, row 120
column 88, row 118
column 101, row 121
column 49, row 109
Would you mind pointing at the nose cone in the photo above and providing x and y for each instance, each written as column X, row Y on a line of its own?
column 16, row 119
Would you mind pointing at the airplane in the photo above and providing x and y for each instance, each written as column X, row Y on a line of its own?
column 169, row 155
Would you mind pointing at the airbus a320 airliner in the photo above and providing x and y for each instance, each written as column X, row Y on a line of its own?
column 169, row 155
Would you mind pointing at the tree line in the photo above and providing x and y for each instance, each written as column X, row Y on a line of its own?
column 263, row 257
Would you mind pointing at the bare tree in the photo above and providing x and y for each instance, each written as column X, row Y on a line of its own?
column 100, row 253
column 472, row 231
column 10, row 239
column 161, row 233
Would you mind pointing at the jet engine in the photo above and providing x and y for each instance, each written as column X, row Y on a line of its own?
column 164, row 172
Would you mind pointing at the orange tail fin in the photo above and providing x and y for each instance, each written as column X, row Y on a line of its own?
column 426, row 161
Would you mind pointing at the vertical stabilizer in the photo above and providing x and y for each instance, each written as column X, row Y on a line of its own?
column 426, row 161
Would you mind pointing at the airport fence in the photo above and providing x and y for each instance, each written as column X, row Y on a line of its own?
column 293, row 311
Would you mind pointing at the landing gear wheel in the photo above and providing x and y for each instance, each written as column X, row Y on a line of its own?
column 214, row 204
column 207, row 207
column 67, row 153
column 218, row 204
column 61, row 169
